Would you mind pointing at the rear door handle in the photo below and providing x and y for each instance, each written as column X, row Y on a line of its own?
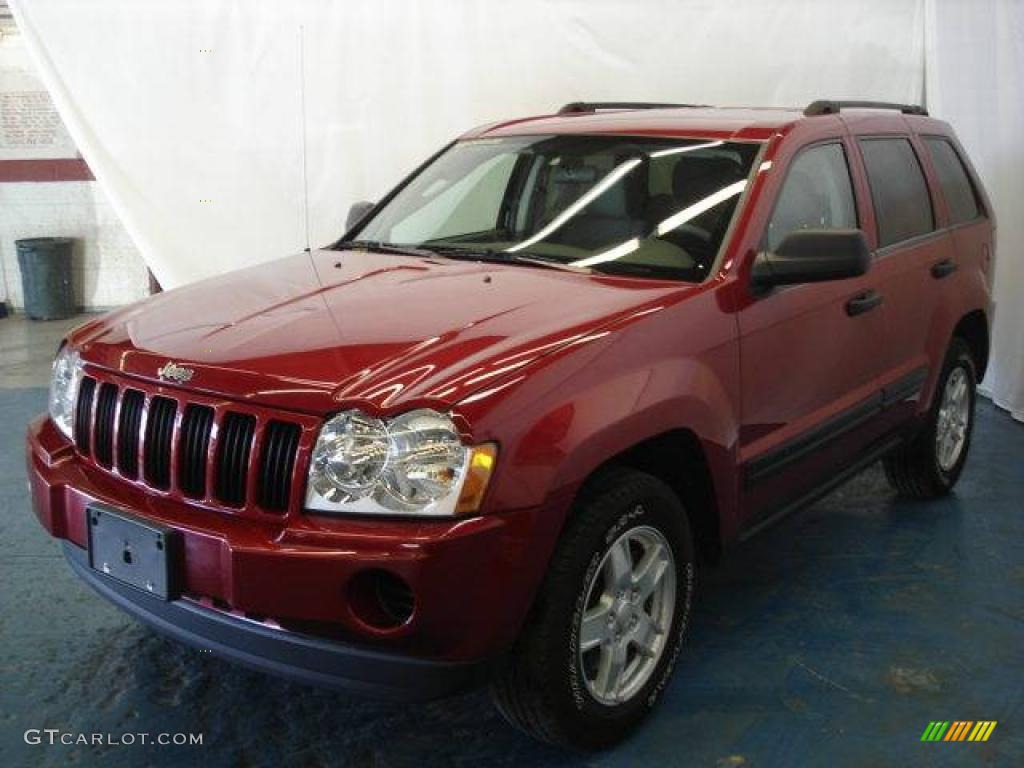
column 943, row 268
column 863, row 302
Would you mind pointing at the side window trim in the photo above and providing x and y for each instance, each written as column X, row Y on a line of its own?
column 909, row 242
column 979, row 200
column 827, row 142
column 860, row 139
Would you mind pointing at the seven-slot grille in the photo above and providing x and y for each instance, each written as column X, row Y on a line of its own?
column 168, row 443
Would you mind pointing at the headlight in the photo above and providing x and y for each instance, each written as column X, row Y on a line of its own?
column 67, row 373
column 414, row 464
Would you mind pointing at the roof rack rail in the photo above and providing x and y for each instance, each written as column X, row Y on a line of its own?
column 828, row 107
column 575, row 107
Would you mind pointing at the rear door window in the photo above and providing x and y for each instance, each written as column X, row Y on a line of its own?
column 956, row 184
column 903, row 209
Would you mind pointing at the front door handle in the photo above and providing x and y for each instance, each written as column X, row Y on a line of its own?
column 943, row 268
column 863, row 302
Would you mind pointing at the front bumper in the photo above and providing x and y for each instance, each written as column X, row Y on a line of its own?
column 279, row 595
column 304, row 658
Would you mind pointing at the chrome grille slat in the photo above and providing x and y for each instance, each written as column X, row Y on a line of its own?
column 233, row 462
column 280, row 444
column 129, row 423
column 103, row 432
column 196, row 426
column 200, row 449
column 157, row 449
column 83, row 413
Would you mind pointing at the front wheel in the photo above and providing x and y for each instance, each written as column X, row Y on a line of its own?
column 930, row 464
column 603, row 638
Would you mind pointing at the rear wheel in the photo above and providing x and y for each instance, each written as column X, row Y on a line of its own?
column 930, row 464
column 609, row 622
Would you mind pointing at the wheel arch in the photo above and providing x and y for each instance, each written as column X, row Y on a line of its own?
column 677, row 458
column 973, row 329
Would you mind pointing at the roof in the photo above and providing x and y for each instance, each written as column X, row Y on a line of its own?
column 719, row 122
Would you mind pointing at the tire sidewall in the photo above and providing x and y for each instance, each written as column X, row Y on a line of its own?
column 660, row 510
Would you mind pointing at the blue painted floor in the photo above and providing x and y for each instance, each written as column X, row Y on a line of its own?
column 832, row 639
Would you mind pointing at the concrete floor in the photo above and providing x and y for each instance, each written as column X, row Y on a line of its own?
column 832, row 639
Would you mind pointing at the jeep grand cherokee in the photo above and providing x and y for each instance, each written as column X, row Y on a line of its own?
column 487, row 435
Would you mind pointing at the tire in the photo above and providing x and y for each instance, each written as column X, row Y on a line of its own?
column 544, row 690
column 917, row 469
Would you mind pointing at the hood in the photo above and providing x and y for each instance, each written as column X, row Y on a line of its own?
column 312, row 331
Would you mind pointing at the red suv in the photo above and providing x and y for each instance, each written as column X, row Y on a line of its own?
column 488, row 434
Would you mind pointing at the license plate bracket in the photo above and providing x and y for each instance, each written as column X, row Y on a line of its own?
column 135, row 552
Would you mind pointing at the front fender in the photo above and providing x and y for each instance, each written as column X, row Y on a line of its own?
column 575, row 410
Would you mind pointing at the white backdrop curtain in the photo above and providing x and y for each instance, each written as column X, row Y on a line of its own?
column 975, row 79
column 189, row 113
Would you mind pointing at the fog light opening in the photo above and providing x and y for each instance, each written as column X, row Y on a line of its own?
column 381, row 599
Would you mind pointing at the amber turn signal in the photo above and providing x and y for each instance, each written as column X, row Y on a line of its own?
column 481, row 463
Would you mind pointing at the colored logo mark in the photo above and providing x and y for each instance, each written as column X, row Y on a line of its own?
column 959, row 730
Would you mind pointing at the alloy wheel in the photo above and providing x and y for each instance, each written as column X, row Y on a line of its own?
column 953, row 419
column 630, row 604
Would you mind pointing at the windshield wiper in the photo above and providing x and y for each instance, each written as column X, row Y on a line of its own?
column 543, row 260
column 379, row 246
column 505, row 257
column 456, row 252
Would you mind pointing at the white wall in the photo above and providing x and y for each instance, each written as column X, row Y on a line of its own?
column 108, row 268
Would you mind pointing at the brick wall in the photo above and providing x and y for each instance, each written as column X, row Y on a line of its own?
column 108, row 268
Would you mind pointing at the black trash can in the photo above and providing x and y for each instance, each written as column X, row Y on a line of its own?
column 45, row 264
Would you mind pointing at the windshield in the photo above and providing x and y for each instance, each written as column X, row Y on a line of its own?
column 633, row 205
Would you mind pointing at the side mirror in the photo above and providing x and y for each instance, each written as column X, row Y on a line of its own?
column 356, row 213
column 813, row 256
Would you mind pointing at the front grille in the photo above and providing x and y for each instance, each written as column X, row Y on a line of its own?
column 124, row 429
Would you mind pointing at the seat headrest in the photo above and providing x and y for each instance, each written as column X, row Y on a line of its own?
column 697, row 176
column 574, row 174
column 626, row 197
column 612, row 202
